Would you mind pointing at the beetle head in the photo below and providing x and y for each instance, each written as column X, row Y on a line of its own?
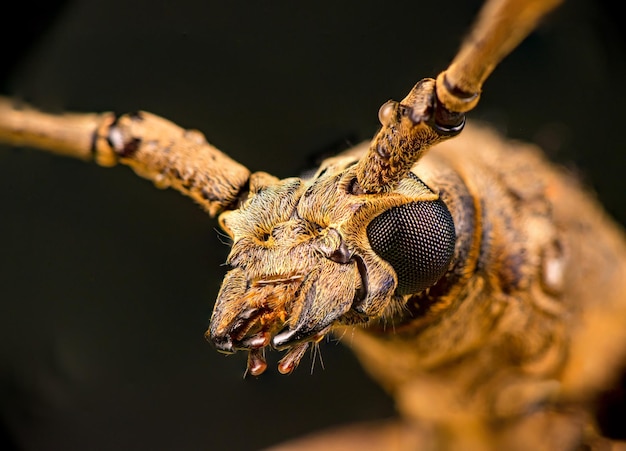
column 308, row 255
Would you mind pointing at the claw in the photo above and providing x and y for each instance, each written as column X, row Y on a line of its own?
column 291, row 360
column 256, row 362
column 257, row 341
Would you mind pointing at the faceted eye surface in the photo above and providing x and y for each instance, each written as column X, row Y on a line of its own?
column 417, row 239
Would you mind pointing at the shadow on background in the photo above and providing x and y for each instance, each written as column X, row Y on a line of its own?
column 107, row 284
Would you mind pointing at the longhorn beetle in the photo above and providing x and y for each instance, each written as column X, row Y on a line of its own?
column 538, row 266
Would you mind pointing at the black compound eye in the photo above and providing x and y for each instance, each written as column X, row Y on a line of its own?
column 417, row 239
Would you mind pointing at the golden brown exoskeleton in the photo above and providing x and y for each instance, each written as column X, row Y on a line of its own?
column 449, row 272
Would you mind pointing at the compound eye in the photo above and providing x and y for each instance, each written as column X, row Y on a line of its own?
column 417, row 239
column 386, row 112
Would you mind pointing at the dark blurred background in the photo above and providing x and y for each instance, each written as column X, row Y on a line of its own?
column 107, row 284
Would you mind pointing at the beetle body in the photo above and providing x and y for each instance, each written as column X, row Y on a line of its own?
column 499, row 347
column 510, row 345
column 506, row 336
